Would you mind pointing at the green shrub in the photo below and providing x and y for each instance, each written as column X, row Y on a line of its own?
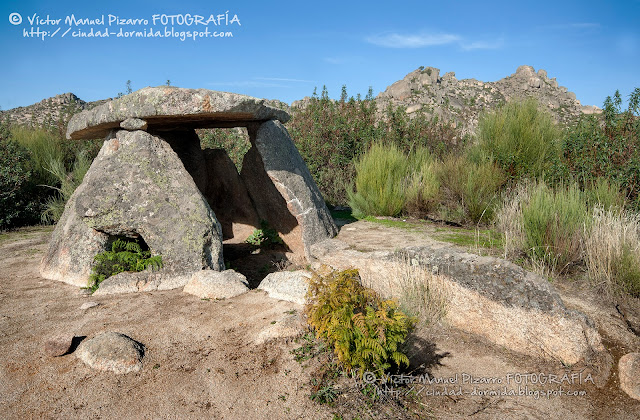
column 553, row 223
column 20, row 203
column 125, row 255
column 604, row 193
column 265, row 236
column 627, row 271
column 43, row 146
column 607, row 146
column 423, row 193
column 365, row 331
column 332, row 135
column 382, row 178
column 481, row 188
column 521, row 138
column 470, row 190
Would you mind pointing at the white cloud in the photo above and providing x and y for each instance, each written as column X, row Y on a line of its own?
column 482, row 45
column 248, row 83
column 394, row 40
column 280, row 79
column 584, row 25
column 334, row 60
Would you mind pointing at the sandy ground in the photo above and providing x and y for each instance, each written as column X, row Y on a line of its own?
column 202, row 361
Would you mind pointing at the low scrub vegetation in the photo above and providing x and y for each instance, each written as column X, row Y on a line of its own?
column 535, row 181
column 332, row 136
column 552, row 225
column 38, row 172
column 389, row 182
column 382, row 182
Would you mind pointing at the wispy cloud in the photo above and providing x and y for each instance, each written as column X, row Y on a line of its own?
column 248, row 83
column 395, row 40
column 584, row 25
column 334, row 60
column 261, row 82
column 572, row 26
column 282, row 79
column 482, row 45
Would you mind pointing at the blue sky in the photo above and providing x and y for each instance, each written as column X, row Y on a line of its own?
column 282, row 50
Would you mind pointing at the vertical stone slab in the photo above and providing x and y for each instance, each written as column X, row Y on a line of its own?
column 291, row 177
column 137, row 185
column 186, row 144
column 269, row 204
column 228, row 197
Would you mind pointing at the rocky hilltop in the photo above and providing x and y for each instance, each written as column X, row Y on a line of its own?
column 52, row 111
column 421, row 91
column 461, row 101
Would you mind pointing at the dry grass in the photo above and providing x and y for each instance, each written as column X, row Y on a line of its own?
column 420, row 292
column 612, row 247
column 509, row 221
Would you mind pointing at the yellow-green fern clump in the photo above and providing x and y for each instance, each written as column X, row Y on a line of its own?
column 365, row 331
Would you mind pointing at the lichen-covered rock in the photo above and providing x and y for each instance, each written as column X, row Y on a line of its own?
column 111, row 351
column 136, row 186
column 170, row 107
column 207, row 284
column 291, row 177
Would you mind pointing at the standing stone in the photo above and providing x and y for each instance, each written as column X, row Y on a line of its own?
column 291, row 177
column 136, row 186
column 186, row 144
column 228, row 197
column 269, row 204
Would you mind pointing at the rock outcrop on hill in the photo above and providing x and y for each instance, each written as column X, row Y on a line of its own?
column 462, row 101
column 51, row 112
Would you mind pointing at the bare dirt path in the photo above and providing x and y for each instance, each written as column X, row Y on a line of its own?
column 202, row 359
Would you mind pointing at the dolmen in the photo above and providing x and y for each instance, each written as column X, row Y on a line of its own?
column 151, row 180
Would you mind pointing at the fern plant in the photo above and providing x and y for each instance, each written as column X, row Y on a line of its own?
column 365, row 331
column 125, row 255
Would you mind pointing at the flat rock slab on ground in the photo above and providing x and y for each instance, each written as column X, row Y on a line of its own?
column 111, row 351
column 208, row 284
column 291, row 286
